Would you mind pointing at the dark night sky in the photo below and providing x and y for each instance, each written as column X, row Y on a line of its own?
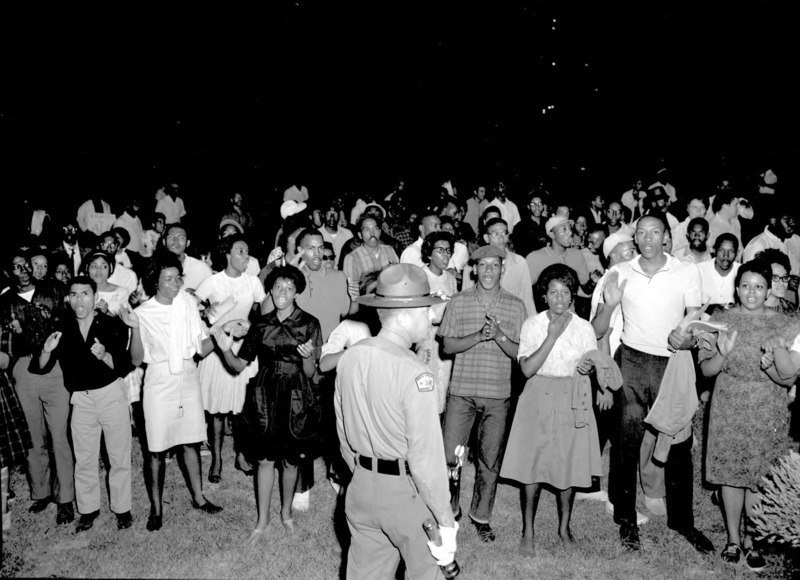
column 110, row 96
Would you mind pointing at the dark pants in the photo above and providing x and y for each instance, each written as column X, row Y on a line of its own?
column 491, row 415
column 641, row 374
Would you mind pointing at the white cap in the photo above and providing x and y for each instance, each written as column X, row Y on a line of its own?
column 613, row 241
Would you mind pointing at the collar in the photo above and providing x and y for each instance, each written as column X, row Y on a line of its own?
column 637, row 266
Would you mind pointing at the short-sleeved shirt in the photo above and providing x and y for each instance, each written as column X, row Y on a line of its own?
column 325, row 297
column 717, row 289
column 348, row 333
column 362, row 262
column 538, row 260
column 194, row 272
column 652, row 307
column 483, row 370
column 173, row 210
column 237, row 295
column 385, row 402
column 576, row 340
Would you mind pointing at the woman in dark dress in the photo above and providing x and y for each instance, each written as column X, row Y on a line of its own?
column 281, row 413
column 749, row 418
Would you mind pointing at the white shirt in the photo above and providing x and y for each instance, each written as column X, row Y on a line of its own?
column 95, row 222
column 194, row 272
column 653, row 306
column 125, row 278
column 345, row 335
column 577, row 339
column 134, row 226
column 75, row 250
column 717, row 289
column 413, row 255
column 173, row 210
column 508, row 211
column 615, row 322
column 337, row 240
column 768, row 240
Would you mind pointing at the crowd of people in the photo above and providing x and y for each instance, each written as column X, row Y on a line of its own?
column 400, row 339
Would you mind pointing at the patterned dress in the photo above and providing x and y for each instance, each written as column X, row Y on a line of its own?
column 15, row 439
column 749, row 418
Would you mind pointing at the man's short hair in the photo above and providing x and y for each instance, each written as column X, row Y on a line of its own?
column 726, row 237
column 697, row 221
column 722, row 198
column 306, row 233
column 83, row 280
column 360, row 222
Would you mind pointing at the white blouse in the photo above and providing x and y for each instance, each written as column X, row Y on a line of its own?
column 576, row 340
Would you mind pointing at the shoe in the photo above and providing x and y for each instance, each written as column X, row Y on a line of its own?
column 485, row 532
column 655, row 506
column 697, row 539
column 40, row 505
column 601, row 495
column 335, row 486
column 630, row 537
column 207, row 507
column 205, row 450
column 457, row 517
column 153, row 523
column 242, row 465
column 124, row 520
column 65, row 514
column 214, row 478
column 754, row 560
column 86, row 521
column 732, row 553
column 11, row 495
column 641, row 519
column 301, row 501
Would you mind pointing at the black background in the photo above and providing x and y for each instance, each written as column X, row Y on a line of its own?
column 116, row 97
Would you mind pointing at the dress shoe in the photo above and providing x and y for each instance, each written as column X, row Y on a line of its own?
column 153, row 523
column 65, row 514
column 629, row 534
column 207, row 507
column 485, row 532
column 697, row 539
column 641, row 519
column 124, row 520
column 86, row 521
column 40, row 505
column 214, row 478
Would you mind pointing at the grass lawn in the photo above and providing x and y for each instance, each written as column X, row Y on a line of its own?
column 194, row 545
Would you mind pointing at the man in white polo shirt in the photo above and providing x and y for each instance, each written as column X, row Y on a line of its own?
column 655, row 292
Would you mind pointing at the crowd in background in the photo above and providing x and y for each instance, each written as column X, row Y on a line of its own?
column 204, row 333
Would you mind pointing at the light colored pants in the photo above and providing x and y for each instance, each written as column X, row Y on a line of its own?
column 94, row 413
column 45, row 402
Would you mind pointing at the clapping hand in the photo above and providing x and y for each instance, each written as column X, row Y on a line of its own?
column 224, row 340
column 129, row 317
column 15, row 325
column 767, row 360
column 98, row 350
column 52, row 342
column 726, row 342
column 306, row 349
column 773, row 342
column 613, row 290
column 236, row 328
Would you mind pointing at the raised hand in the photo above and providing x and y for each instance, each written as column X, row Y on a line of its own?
column 129, row 317
column 613, row 290
column 726, row 342
column 224, row 340
column 558, row 324
column 102, row 306
column 14, row 324
column 98, row 350
column 306, row 349
column 52, row 341
column 236, row 328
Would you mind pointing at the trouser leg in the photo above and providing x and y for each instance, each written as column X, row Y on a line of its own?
column 458, row 421
column 55, row 401
column 491, row 444
column 114, row 416
column 86, row 433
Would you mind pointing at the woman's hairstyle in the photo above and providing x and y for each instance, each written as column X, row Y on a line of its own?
column 757, row 266
column 561, row 273
column 162, row 260
column 774, row 256
column 92, row 256
column 223, row 247
column 430, row 242
column 287, row 273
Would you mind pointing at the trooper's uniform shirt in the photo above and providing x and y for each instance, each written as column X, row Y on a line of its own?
column 385, row 402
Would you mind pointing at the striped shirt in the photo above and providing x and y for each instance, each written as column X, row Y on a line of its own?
column 362, row 261
column 483, row 370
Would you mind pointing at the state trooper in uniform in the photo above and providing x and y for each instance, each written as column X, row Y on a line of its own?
column 390, row 436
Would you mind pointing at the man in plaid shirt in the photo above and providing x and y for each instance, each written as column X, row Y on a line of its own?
column 481, row 328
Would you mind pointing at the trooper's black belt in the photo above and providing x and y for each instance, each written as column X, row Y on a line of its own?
column 383, row 466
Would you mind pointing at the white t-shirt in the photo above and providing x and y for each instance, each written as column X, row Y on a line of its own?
column 717, row 289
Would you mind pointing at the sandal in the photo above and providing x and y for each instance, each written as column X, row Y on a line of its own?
column 731, row 553
column 754, row 560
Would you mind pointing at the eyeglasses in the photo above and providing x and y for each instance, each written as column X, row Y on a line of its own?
column 327, row 258
column 440, row 250
column 784, row 279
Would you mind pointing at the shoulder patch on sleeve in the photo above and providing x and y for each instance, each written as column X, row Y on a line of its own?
column 425, row 382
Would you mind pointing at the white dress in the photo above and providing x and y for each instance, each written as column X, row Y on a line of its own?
column 115, row 299
column 224, row 392
column 428, row 351
column 172, row 403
